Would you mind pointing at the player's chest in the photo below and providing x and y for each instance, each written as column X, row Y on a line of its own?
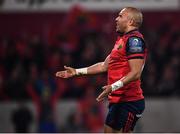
column 119, row 49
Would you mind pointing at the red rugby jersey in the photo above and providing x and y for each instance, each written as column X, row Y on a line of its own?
column 128, row 46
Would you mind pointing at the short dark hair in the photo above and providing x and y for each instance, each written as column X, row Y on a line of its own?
column 136, row 15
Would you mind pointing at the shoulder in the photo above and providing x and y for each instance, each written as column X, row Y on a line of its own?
column 135, row 44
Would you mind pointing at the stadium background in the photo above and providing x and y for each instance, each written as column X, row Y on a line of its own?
column 39, row 37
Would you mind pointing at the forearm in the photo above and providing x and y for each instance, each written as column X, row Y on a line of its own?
column 131, row 76
column 136, row 67
column 94, row 69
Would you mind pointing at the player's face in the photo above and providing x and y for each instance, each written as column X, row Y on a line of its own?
column 122, row 21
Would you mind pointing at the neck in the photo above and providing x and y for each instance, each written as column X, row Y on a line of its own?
column 130, row 29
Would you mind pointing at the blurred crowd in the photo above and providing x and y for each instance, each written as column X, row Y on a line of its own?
column 162, row 73
column 28, row 63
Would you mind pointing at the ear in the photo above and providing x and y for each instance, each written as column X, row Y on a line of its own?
column 131, row 22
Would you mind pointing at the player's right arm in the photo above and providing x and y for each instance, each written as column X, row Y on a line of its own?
column 94, row 69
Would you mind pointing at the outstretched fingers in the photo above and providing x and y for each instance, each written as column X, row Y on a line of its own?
column 107, row 89
column 61, row 74
column 102, row 95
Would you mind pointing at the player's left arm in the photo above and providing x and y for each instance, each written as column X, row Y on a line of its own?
column 135, row 50
column 136, row 67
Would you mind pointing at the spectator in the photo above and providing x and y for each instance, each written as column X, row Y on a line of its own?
column 22, row 118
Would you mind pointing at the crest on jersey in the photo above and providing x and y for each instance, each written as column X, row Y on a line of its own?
column 120, row 46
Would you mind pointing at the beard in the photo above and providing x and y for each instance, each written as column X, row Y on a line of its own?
column 119, row 32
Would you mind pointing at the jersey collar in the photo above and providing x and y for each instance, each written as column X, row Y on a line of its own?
column 131, row 31
column 122, row 34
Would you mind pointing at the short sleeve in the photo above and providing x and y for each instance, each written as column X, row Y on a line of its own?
column 135, row 48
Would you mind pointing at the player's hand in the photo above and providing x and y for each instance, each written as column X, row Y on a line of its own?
column 67, row 73
column 107, row 89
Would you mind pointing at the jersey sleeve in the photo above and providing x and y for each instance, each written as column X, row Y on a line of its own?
column 135, row 48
